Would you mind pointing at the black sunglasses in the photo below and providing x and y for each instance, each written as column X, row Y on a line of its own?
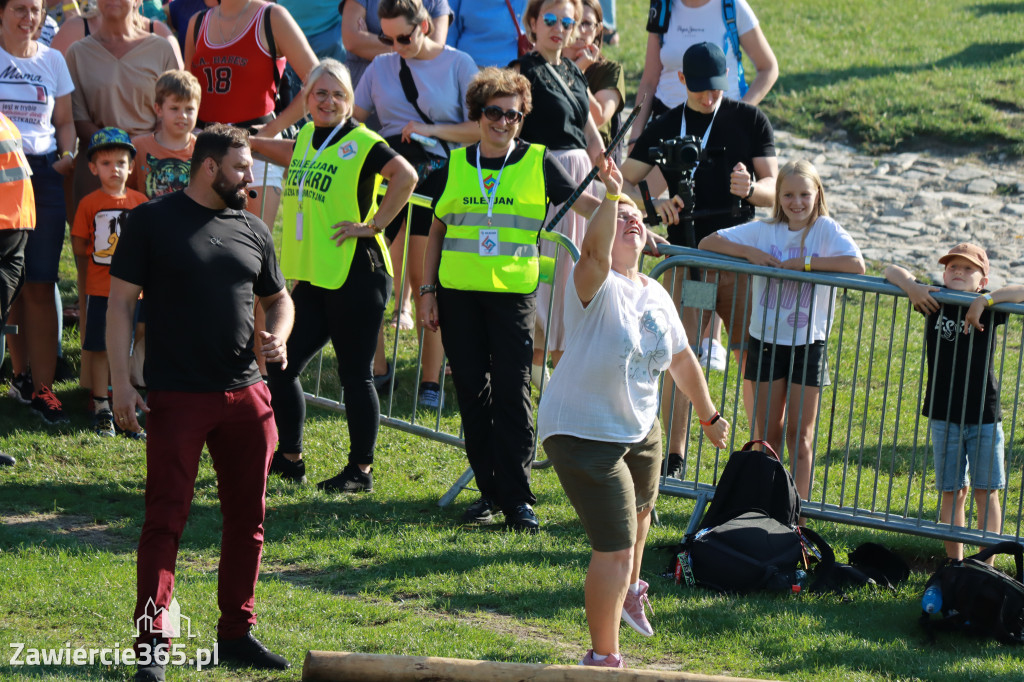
column 494, row 113
column 401, row 40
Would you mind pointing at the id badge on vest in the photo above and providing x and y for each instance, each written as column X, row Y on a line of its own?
column 298, row 226
column 489, row 243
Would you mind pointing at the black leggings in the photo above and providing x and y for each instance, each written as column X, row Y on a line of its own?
column 350, row 317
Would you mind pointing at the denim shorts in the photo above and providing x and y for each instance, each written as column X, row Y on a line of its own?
column 977, row 448
column 42, row 253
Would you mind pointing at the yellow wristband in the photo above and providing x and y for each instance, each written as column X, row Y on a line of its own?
column 70, row 6
column 991, row 301
column 612, row 197
column 807, row 264
column 65, row 153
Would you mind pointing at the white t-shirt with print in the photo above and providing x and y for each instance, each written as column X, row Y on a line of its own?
column 688, row 26
column 28, row 89
column 605, row 387
column 779, row 312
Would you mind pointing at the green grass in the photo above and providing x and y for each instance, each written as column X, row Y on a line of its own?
column 390, row 572
column 939, row 75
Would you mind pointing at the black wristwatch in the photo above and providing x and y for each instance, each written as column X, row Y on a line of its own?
column 428, row 289
column 751, row 192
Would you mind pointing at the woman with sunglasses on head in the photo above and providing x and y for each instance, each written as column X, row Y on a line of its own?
column 560, row 121
column 418, row 90
column 480, row 279
column 607, row 88
column 332, row 243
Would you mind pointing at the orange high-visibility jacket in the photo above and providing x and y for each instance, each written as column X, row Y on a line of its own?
column 17, row 202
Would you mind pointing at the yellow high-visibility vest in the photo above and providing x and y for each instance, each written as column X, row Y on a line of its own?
column 503, row 255
column 308, row 251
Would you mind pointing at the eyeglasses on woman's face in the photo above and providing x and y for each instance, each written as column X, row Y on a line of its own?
column 324, row 95
column 401, row 40
column 494, row 113
column 550, row 20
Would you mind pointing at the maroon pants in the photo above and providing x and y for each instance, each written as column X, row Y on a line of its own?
column 238, row 427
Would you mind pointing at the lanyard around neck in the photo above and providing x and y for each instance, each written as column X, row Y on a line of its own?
column 707, row 133
column 325, row 145
column 489, row 198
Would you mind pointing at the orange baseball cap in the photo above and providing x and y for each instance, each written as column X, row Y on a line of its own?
column 971, row 252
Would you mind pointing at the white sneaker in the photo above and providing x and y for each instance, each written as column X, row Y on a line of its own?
column 536, row 371
column 715, row 352
column 718, row 356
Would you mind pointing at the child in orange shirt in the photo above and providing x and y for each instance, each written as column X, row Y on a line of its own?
column 165, row 155
column 94, row 236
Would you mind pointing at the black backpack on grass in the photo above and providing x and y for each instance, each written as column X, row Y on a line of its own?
column 748, row 539
column 753, row 479
column 979, row 598
column 748, row 553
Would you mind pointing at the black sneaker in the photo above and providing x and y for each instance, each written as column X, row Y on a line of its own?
column 350, row 480
column 6, row 460
column 21, row 389
column 287, row 469
column 153, row 671
column 104, row 425
column 522, row 519
column 47, row 406
column 250, row 651
column 382, row 382
column 481, row 511
column 150, row 673
column 675, row 465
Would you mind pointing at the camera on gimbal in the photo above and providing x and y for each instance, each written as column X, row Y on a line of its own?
column 680, row 154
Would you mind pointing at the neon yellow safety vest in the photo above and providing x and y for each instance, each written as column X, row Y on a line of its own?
column 502, row 256
column 308, row 252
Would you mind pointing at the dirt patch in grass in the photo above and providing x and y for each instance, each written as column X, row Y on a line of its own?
column 82, row 528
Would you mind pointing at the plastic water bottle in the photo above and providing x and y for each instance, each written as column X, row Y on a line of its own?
column 931, row 602
column 800, row 579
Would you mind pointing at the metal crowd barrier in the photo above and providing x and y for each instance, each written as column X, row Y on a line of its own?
column 399, row 408
column 872, row 460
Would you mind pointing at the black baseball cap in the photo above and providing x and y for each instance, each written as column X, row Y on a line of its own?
column 704, row 68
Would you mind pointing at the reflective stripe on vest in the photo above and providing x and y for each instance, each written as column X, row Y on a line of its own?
column 17, row 202
column 473, row 246
column 309, row 252
column 502, row 256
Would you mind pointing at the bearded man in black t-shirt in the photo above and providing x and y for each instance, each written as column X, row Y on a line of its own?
column 737, row 175
column 201, row 261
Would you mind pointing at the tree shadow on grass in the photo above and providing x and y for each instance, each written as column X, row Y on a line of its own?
column 977, row 55
column 997, row 8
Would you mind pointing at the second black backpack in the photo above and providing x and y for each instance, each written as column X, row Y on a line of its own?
column 978, row 598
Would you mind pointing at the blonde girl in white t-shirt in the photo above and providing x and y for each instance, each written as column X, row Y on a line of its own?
column 790, row 321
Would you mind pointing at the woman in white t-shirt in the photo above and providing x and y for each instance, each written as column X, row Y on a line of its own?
column 598, row 418
column 790, row 321
column 35, row 93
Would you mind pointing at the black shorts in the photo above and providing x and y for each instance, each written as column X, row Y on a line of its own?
column 771, row 362
column 95, row 324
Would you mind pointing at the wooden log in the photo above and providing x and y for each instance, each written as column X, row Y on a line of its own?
column 338, row 666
